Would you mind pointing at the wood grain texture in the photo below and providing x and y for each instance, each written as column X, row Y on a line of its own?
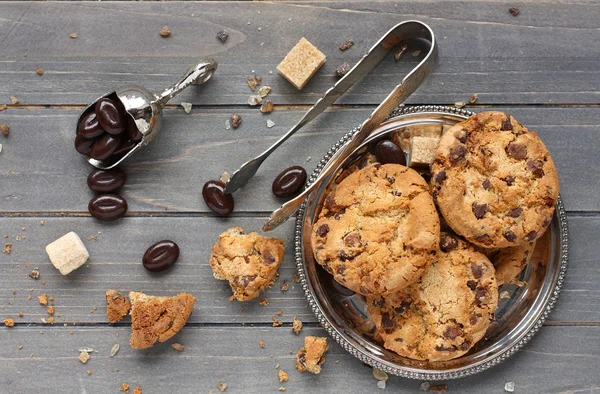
column 232, row 354
column 41, row 171
column 548, row 54
column 115, row 263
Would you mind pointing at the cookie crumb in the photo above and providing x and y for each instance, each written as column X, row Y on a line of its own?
column 279, row 312
column 261, row 344
column 312, row 355
column 347, row 45
column 460, row 104
column 342, row 69
column 14, row 100
column 400, row 52
column 473, row 98
column 509, row 387
column 296, row 326
column 282, row 388
column 124, row 387
column 284, row 286
column 50, row 310
column 38, row 70
column 267, row 107
column 283, row 377
column 84, row 356
column 222, row 386
column 165, row 31
column 223, row 35
column 89, row 372
column 73, row 35
column 137, row 390
column 114, row 350
column 8, row 248
column 264, row 302
column 514, row 11
column 235, row 120
column 9, row 322
column 253, row 81
column 4, row 129
column 276, row 322
column 439, row 389
column 295, row 277
column 43, row 299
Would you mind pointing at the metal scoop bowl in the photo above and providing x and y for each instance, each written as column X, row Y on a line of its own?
column 143, row 110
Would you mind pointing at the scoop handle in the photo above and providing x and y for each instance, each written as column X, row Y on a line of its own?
column 196, row 75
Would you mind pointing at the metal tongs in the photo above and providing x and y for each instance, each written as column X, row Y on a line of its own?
column 400, row 33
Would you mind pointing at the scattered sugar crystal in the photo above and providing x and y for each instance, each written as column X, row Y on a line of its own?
column 509, row 387
column 254, row 100
column 187, row 107
column 227, row 124
column 270, row 123
column 381, row 384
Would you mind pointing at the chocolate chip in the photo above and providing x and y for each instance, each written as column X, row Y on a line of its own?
column 506, row 124
column 535, row 167
column 464, row 346
column 268, row 257
column 441, row 348
column 322, row 230
column 516, row 151
column 485, row 150
column 448, row 242
column 452, row 332
column 397, row 193
column 547, row 221
column 440, row 177
column 391, row 179
column 340, row 270
column 515, row 213
column 510, row 236
column 404, row 305
column 352, row 240
column 472, row 284
column 531, row 235
column 247, row 279
column 509, row 180
column 479, row 210
column 474, row 317
column 398, row 339
column 457, row 154
column 481, row 296
column 387, row 322
column 477, row 270
column 330, row 203
column 483, row 238
column 486, row 184
column 462, row 135
column 344, row 256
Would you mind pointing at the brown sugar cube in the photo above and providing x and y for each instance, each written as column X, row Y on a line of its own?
column 301, row 63
column 403, row 137
column 422, row 151
column 312, row 355
column 117, row 306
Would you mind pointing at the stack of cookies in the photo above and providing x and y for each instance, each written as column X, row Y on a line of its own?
column 429, row 258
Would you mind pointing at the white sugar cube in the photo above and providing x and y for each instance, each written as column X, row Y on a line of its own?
column 67, row 253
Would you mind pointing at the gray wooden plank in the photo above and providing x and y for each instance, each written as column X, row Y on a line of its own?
column 115, row 263
column 558, row 359
column 41, row 171
column 548, row 54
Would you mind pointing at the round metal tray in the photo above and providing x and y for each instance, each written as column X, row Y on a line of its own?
column 343, row 313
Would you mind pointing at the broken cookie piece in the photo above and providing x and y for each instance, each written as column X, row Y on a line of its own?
column 301, row 63
column 312, row 355
column 67, row 253
column 117, row 306
column 157, row 318
column 248, row 261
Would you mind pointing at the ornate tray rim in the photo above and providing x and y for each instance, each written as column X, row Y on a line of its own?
column 401, row 370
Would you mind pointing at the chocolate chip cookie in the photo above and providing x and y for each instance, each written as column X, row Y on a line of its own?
column 248, row 261
column 509, row 262
column 443, row 315
column 494, row 181
column 378, row 230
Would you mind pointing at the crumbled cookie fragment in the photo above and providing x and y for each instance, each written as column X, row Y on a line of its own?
column 248, row 261
column 439, row 389
column 50, row 310
column 282, row 388
column 235, row 120
column 165, row 31
column 34, row 274
column 117, row 306
column 473, row 98
column 296, row 326
column 261, row 344
column 400, row 52
column 342, row 69
column 283, row 376
column 4, row 129
column 460, row 104
column 89, row 372
column 177, row 346
column 9, row 322
column 3, row 107
column 276, row 322
column 296, row 278
column 514, row 11
column 84, row 356
column 137, row 390
column 267, row 107
column 8, row 248
column 284, row 286
column 223, row 35
column 67, row 253
column 14, row 100
column 43, row 299
column 38, row 70
column 222, row 386
column 347, row 45
column 73, row 35
column 312, row 355
column 253, row 81
column 124, row 387
column 301, row 63
column 157, row 318
column 264, row 302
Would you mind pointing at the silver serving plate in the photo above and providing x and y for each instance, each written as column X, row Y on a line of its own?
column 343, row 313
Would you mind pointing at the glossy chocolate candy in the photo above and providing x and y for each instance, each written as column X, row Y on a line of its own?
column 107, row 207
column 83, row 145
column 214, row 196
column 89, row 127
column 289, row 181
column 104, row 146
column 111, row 116
column 161, row 256
column 387, row 152
column 109, row 181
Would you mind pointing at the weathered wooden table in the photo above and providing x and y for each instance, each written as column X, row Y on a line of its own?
column 541, row 66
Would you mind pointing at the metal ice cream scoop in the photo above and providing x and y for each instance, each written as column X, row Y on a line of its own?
column 138, row 109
